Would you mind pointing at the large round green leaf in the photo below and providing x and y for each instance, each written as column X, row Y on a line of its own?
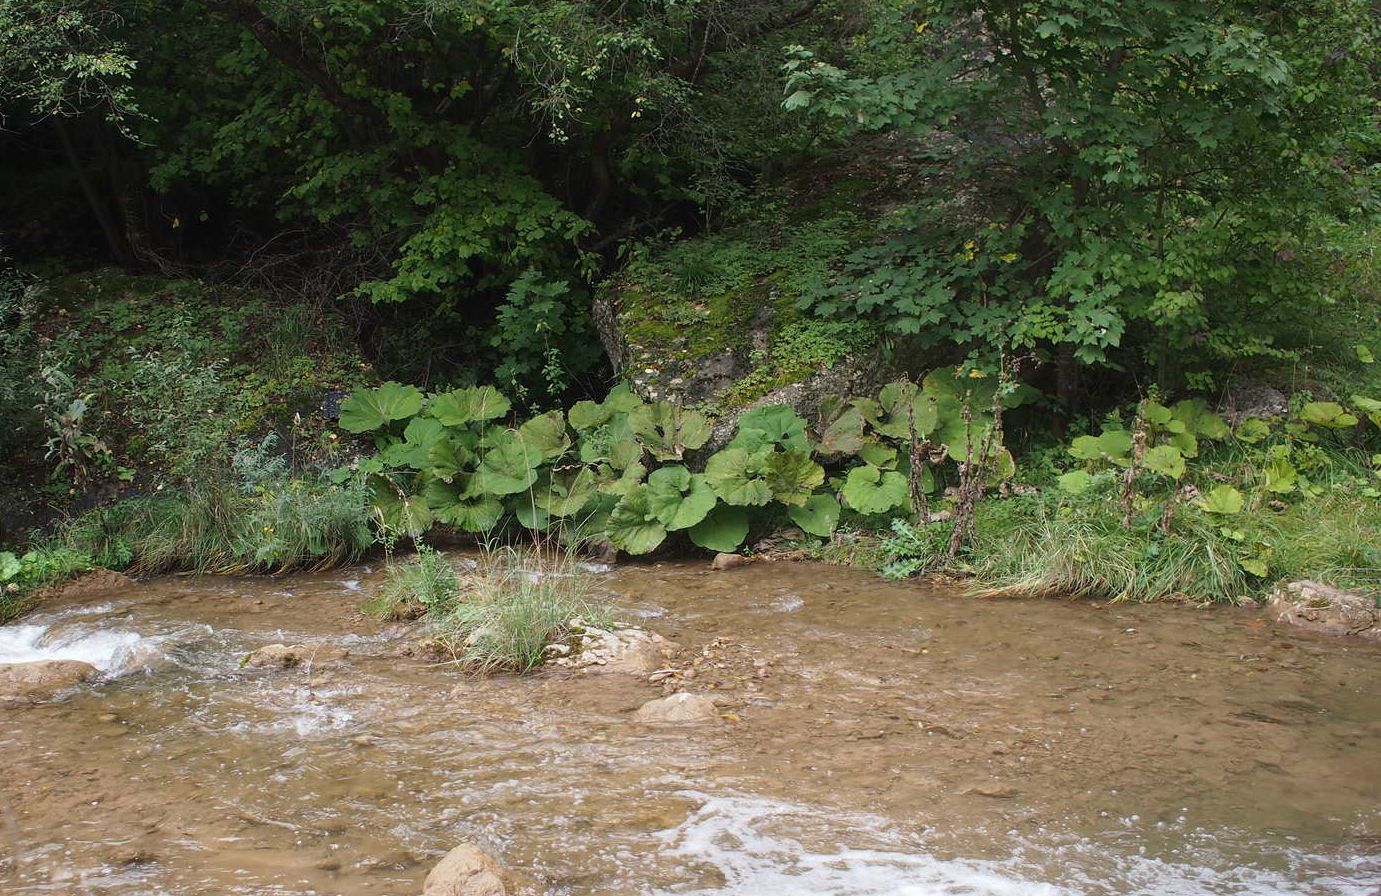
column 843, row 432
column 678, row 497
column 414, row 450
column 1115, row 445
column 368, row 409
column 792, row 475
column 509, row 466
column 903, row 406
column 547, row 434
column 723, row 530
column 1328, row 414
column 619, row 483
column 470, row 405
column 588, row 415
column 775, row 425
column 396, row 510
column 1223, row 499
column 529, row 514
column 462, row 506
column 737, row 477
column 818, row 516
column 1165, row 460
column 565, row 493
column 450, row 455
column 668, row 431
column 633, row 526
column 870, row 490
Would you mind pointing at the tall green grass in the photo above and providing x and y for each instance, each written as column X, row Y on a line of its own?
column 217, row 528
column 1052, row 545
column 513, row 605
column 424, row 583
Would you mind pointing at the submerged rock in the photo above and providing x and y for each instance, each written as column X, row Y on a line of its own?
column 294, row 656
column 628, row 651
column 466, row 871
column 678, row 709
column 1323, row 608
column 24, row 683
column 728, row 561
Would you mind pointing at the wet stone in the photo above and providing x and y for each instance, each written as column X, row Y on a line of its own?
column 24, row 683
column 466, row 871
column 678, row 709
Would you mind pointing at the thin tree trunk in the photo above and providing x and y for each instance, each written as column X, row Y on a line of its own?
column 115, row 240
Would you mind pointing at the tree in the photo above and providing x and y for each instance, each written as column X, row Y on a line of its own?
column 1106, row 183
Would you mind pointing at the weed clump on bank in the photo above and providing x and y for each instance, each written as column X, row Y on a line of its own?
column 291, row 524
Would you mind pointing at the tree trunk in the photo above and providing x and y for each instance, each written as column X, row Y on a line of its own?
column 100, row 209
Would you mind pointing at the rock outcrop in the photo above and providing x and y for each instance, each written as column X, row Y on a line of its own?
column 25, row 683
column 466, row 870
column 1322, row 608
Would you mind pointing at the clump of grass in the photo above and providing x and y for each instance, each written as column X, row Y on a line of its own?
column 1029, row 548
column 218, row 528
column 425, row 583
column 516, row 603
column 1056, row 545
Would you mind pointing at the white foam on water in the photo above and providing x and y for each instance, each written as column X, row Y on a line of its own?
column 105, row 648
column 789, row 603
column 766, row 848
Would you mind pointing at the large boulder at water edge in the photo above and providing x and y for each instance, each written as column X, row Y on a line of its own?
column 25, row 683
column 466, row 871
column 1322, row 608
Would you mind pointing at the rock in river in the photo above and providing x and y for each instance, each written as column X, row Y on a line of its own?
column 1322, row 608
column 23, row 683
column 295, row 656
column 678, row 709
column 466, row 871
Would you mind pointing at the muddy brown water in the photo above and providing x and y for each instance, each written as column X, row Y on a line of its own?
column 876, row 738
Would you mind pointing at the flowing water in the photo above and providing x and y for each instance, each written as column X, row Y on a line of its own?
column 877, row 738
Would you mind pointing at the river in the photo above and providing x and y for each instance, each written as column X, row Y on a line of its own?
column 875, row 738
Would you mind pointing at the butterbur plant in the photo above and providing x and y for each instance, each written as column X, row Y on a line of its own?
column 616, row 471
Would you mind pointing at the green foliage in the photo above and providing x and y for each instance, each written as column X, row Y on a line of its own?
column 70, row 445
column 369, row 409
column 869, row 490
column 1164, row 191
column 723, row 530
column 586, row 473
column 64, row 59
column 819, row 515
column 913, row 549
